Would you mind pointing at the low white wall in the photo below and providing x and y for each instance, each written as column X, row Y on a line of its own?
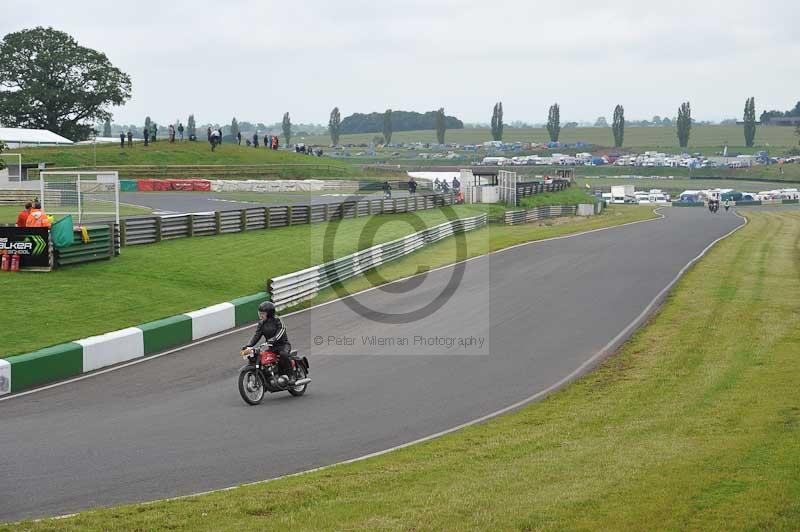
column 112, row 348
column 213, row 319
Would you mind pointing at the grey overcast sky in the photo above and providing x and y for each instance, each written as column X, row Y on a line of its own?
column 257, row 59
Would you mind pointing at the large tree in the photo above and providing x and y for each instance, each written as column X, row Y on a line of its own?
column 234, row 128
column 387, row 126
column 554, row 122
column 497, row 121
column 684, row 124
column 48, row 81
column 618, row 125
column 287, row 128
column 441, row 125
column 334, row 125
column 750, row 121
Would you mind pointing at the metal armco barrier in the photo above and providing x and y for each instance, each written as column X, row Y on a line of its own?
column 539, row 213
column 150, row 229
column 299, row 286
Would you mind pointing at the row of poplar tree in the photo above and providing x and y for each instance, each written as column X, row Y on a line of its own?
column 683, row 124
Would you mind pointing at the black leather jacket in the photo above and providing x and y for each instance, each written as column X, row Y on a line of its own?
column 273, row 330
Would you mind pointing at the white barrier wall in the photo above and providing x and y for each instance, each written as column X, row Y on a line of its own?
column 112, row 348
column 5, row 377
column 213, row 319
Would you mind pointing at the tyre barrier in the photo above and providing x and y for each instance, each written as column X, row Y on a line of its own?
column 58, row 362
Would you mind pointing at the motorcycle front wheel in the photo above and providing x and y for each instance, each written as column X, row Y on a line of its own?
column 251, row 387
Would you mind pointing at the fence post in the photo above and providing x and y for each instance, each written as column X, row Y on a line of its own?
column 327, row 212
column 310, row 213
column 123, row 236
column 266, row 217
column 369, row 207
column 218, row 222
column 243, row 219
column 394, row 205
column 191, row 225
column 289, row 211
column 158, row 228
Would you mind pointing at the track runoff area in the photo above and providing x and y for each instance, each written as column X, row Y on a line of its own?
column 512, row 326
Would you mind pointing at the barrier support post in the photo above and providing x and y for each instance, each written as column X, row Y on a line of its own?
column 158, row 228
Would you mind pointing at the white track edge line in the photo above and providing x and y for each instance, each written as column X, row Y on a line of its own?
column 237, row 329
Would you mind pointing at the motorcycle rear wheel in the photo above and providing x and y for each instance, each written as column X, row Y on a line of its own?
column 297, row 391
column 251, row 386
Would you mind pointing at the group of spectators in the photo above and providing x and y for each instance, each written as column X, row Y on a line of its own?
column 151, row 135
column 271, row 142
column 33, row 216
column 307, row 150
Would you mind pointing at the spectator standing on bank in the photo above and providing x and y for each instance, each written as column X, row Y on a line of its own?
column 171, row 134
column 154, row 132
column 122, row 140
column 146, row 137
column 239, row 138
column 209, row 135
column 180, row 130
column 255, row 139
column 23, row 215
column 130, row 139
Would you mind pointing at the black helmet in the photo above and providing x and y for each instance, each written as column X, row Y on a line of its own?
column 268, row 307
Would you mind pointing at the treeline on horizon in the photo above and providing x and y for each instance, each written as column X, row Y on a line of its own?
column 401, row 121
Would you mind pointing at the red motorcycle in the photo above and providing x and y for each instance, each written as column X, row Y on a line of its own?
column 262, row 374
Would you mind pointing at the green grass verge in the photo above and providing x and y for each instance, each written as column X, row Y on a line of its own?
column 149, row 282
column 693, row 425
column 570, row 196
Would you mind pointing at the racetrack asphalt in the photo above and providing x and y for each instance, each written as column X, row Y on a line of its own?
column 176, row 425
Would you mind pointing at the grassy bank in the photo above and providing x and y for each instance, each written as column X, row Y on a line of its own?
column 166, row 156
column 693, row 425
column 570, row 196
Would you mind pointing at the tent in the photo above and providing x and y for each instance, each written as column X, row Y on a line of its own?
column 20, row 138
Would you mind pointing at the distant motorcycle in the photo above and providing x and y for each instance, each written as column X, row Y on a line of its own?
column 262, row 374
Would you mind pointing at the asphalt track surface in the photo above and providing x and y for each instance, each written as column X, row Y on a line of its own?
column 176, row 425
column 181, row 202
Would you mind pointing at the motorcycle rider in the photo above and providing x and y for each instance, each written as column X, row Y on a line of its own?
column 272, row 329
